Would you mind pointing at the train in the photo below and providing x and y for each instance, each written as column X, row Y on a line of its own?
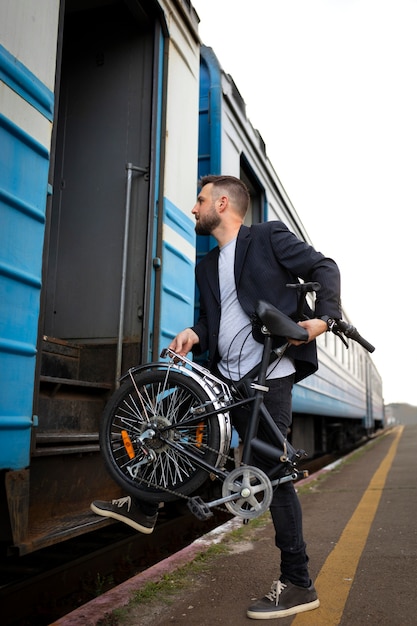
column 111, row 111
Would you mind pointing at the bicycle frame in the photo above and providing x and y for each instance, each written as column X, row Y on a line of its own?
column 284, row 454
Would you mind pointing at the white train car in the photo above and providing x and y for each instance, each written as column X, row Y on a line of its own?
column 343, row 400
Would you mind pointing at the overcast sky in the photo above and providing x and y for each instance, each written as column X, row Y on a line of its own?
column 331, row 87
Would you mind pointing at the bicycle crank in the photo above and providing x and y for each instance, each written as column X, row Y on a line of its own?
column 247, row 492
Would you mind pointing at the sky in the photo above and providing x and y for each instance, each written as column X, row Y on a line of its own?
column 331, row 85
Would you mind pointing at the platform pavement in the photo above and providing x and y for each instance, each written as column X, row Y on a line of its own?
column 360, row 527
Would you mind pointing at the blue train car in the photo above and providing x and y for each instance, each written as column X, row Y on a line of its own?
column 99, row 140
column 26, row 115
column 110, row 112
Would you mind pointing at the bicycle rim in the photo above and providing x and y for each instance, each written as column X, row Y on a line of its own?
column 158, row 402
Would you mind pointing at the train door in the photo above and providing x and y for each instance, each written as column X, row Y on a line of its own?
column 103, row 124
column 91, row 328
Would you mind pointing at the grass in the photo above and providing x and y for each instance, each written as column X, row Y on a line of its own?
column 167, row 588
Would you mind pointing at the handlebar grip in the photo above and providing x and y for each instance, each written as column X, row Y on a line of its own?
column 365, row 344
column 351, row 333
column 304, row 287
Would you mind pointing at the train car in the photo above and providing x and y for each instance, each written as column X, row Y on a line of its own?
column 343, row 401
column 110, row 111
column 99, row 140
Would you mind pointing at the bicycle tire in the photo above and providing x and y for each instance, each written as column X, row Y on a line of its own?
column 158, row 398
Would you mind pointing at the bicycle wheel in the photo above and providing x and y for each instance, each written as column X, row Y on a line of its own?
column 141, row 420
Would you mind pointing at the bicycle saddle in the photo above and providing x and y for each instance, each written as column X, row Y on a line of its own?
column 278, row 323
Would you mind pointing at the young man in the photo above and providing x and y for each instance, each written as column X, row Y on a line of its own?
column 251, row 264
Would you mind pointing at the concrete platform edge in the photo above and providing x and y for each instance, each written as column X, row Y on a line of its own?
column 91, row 612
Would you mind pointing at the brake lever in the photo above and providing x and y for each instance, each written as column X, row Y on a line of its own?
column 341, row 337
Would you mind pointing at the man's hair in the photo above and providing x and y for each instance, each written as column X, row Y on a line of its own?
column 233, row 187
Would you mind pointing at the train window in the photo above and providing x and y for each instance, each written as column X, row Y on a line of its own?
column 330, row 343
column 353, row 367
column 322, row 340
column 341, row 352
column 256, row 213
column 361, row 374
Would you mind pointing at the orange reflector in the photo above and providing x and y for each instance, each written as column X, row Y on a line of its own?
column 199, row 434
column 128, row 444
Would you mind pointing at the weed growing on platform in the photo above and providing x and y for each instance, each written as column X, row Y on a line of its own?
column 169, row 585
column 246, row 531
column 167, row 589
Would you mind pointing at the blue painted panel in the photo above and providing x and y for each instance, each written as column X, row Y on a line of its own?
column 24, row 165
column 26, row 84
column 314, row 402
column 209, row 127
column 210, row 113
column 209, row 136
column 177, row 298
column 178, row 221
column 326, row 393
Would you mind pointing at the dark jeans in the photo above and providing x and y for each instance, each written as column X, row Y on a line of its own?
column 285, row 506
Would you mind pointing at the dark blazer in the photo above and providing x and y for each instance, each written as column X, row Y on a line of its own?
column 268, row 256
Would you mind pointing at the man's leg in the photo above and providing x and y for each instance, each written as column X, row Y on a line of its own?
column 294, row 592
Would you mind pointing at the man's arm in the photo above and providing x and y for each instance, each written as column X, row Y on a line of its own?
column 315, row 327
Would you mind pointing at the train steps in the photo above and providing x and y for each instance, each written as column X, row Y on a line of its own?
column 75, row 382
column 52, row 497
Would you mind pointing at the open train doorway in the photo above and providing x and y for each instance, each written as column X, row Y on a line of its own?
column 103, row 123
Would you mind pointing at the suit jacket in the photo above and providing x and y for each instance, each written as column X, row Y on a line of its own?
column 268, row 256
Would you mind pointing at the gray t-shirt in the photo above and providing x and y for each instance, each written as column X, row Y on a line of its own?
column 238, row 349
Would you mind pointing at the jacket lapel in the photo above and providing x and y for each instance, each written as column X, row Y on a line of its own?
column 212, row 272
column 242, row 244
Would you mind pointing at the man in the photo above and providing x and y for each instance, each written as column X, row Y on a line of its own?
column 248, row 265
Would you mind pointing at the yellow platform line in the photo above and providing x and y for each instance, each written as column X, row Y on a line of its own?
column 335, row 579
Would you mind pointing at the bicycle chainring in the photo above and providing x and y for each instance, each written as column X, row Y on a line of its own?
column 253, row 491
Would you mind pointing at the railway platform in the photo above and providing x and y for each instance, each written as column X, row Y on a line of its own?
column 361, row 532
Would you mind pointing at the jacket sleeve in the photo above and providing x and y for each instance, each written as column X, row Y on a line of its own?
column 304, row 261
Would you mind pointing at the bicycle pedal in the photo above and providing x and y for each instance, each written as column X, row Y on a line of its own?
column 199, row 508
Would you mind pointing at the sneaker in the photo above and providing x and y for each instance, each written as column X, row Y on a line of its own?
column 125, row 510
column 283, row 600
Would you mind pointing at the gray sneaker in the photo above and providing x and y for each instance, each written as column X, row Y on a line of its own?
column 283, row 600
column 125, row 510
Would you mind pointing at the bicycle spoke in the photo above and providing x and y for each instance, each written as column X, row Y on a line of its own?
column 146, row 445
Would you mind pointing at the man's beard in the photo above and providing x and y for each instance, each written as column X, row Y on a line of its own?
column 206, row 225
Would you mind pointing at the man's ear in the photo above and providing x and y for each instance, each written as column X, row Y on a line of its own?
column 223, row 202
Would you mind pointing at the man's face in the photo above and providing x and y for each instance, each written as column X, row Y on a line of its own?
column 205, row 213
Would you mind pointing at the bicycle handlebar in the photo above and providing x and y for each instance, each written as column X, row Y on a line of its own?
column 304, row 287
column 339, row 326
column 336, row 326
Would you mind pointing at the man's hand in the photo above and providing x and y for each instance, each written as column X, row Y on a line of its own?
column 315, row 327
column 184, row 341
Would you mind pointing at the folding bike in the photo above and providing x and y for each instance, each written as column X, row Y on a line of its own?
column 168, row 427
